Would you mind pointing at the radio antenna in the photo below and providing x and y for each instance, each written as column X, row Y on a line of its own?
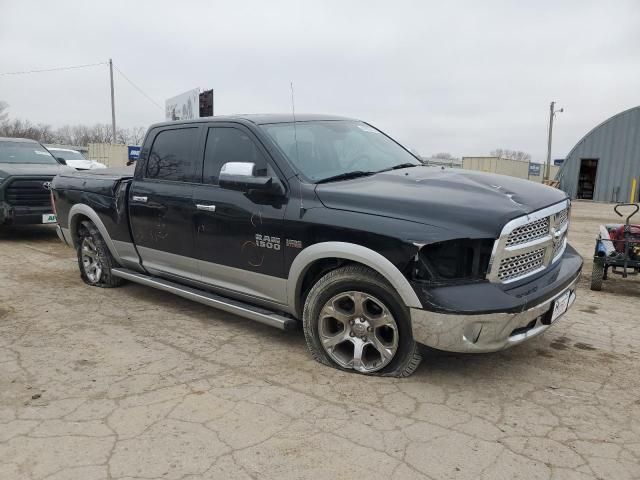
column 295, row 139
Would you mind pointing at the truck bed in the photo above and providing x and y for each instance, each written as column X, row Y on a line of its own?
column 103, row 190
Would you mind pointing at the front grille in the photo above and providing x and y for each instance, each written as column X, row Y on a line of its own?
column 561, row 218
column 28, row 192
column 559, row 246
column 530, row 243
column 529, row 232
column 519, row 265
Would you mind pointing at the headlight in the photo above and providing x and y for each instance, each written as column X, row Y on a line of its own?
column 451, row 261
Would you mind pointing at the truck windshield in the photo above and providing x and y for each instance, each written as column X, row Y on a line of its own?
column 25, row 152
column 328, row 149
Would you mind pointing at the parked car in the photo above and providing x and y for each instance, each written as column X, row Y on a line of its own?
column 75, row 159
column 26, row 171
column 329, row 223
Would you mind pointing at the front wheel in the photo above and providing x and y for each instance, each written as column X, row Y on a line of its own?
column 94, row 258
column 354, row 320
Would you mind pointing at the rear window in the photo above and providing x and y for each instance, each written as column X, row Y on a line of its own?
column 172, row 155
column 25, row 152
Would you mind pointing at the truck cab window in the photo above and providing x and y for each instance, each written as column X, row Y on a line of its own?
column 171, row 156
column 228, row 144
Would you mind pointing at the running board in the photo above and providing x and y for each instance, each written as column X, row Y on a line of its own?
column 228, row 305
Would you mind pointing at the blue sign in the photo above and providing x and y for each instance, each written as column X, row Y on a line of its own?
column 534, row 169
column 134, row 153
column 558, row 162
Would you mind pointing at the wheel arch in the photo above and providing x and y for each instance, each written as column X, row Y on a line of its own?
column 82, row 211
column 344, row 252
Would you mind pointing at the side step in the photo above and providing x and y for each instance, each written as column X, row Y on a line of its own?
column 228, row 305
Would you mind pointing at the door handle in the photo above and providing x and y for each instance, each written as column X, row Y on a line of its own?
column 206, row 208
column 136, row 198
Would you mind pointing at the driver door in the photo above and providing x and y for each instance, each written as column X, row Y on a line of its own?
column 238, row 235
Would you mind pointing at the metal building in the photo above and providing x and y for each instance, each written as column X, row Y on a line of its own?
column 507, row 166
column 605, row 163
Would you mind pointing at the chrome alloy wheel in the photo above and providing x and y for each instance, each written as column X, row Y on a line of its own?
column 90, row 260
column 358, row 331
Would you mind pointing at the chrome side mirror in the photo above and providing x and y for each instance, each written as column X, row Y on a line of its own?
column 240, row 176
column 243, row 169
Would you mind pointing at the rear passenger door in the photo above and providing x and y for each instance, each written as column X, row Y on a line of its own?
column 161, row 203
column 239, row 235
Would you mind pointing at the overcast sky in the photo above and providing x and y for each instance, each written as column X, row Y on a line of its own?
column 461, row 77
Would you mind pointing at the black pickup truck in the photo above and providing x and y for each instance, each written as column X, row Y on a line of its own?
column 327, row 222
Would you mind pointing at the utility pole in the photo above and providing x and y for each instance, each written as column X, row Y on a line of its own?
column 552, row 113
column 113, row 105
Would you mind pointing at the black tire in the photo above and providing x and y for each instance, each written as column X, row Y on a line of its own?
column 358, row 278
column 88, row 234
column 597, row 275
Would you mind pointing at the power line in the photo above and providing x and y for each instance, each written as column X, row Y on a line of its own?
column 87, row 65
column 55, row 69
column 138, row 88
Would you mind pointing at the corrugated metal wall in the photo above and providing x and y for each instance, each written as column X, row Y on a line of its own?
column 616, row 145
column 505, row 166
column 112, row 155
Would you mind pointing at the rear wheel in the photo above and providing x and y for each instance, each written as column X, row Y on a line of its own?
column 354, row 320
column 95, row 259
column 597, row 275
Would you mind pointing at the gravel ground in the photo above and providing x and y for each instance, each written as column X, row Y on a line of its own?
column 136, row 383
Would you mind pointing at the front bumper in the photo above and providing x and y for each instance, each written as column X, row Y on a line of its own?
column 12, row 215
column 491, row 332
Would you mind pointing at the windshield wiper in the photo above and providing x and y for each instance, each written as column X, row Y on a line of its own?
column 346, row 176
column 398, row 167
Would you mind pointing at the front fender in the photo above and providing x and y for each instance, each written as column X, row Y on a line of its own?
column 355, row 253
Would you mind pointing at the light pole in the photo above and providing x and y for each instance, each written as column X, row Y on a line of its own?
column 113, row 104
column 552, row 113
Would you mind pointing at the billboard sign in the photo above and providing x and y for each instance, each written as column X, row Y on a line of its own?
column 184, row 106
column 534, row 169
column 133, row 152
column 558, row 162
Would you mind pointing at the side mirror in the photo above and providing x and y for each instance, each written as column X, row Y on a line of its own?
column 240, row 176
column 61, row 160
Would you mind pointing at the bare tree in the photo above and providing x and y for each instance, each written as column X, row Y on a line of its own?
column 4, row 115
column 444, row 156
column 80, row 135
column 511, row 154
column 136, row 135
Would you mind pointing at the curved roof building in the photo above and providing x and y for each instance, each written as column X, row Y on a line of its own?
column 605, row 161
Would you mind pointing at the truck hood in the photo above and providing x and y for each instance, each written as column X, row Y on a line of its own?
column 475, row 204
column 33, row 169
column 85, row 164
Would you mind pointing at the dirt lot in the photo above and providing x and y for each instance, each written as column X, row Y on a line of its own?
column 136, row 383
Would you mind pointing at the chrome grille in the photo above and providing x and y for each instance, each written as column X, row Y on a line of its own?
column 559, row 246
column 561, row 218
column 519, row 265
column 529, row 232
column 530, row 243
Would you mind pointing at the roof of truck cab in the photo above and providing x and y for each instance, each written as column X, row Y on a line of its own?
column 17, row 140
column 258, row 118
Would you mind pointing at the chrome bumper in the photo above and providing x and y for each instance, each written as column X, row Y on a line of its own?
column 484, row 333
